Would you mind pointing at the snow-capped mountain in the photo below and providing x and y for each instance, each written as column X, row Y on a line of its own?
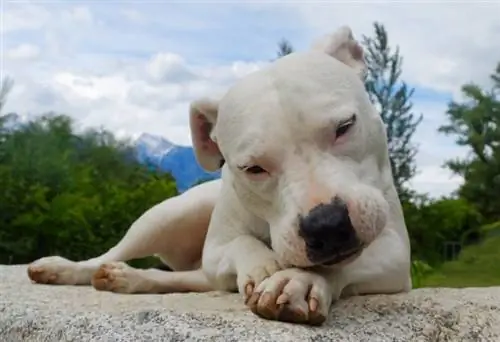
column 179, row 161
column 151, row 148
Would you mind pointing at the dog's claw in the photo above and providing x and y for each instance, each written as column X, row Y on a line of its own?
column 283, row 299
column 253, row 299
column 292, row 296
column 248, row 291
column 293, row 316
column 313, row 304
column 251, row 279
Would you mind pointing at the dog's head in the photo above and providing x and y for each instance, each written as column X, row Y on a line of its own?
column 305, row 150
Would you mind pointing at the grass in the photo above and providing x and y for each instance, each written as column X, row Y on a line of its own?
column 476, row 266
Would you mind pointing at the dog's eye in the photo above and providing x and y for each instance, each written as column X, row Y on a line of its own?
column 255, row 170
column 345, row 126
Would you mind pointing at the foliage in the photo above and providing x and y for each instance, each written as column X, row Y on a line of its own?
column 475, row 123
column 434, row 222
column 419, row 270
column 477, row 265
column 391, row 97
column 69, row 194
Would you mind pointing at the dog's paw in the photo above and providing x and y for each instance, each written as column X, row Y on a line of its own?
column 117, row 277
column 248, row 281
column 294, row 296
column 55, row 270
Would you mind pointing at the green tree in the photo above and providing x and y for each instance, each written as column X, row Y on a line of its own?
column 475, row 124
column 392, row 98
column 69, row 194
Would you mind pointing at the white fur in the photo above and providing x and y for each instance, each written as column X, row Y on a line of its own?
column 240, row 233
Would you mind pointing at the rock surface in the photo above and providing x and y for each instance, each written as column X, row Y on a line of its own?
column 31, row 312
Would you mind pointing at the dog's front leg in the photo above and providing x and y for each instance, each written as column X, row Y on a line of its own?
column 235, row 256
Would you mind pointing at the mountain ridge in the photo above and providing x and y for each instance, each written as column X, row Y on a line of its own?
column 179, row 161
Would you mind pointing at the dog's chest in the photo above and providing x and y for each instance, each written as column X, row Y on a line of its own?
column 261, row 232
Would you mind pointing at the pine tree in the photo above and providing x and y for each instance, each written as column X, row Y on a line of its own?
column 284, row 48
column 391, row 96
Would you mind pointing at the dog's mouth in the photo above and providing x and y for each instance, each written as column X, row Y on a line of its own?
column 341, row 257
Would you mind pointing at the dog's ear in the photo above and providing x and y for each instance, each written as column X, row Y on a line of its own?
column 342, row 46
column 202, row 119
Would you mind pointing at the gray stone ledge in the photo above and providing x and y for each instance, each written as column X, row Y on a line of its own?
column 30, row 312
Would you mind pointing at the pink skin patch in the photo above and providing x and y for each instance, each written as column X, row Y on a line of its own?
column 367, row 219
column 340, row 140
column 203, row 126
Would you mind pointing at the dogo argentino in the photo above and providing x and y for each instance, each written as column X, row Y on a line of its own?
column 305, row 211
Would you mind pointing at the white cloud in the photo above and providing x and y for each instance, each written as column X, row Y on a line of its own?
column 169, row 67
column 26, row 17
column 127, row 100
column 90, row 87
column 132, row 70
column 133, row 15
column 436, row 181
column 23, row 52
column 444, row 45
column 434, row 149
column 78, row 15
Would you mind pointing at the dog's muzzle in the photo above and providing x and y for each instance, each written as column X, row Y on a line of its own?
column 328, row 233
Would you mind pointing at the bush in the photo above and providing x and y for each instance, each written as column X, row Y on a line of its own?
column 433, row 223
column 69, row 194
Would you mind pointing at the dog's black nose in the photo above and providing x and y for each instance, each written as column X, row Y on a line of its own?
column 328, row 233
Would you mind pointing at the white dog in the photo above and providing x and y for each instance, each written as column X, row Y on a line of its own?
column 305, row 212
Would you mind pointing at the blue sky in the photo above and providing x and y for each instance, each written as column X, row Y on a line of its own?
column 134, row 66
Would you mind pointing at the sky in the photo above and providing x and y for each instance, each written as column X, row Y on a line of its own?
column 134, row 66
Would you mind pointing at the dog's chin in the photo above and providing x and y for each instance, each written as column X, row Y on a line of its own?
column 338, row 260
